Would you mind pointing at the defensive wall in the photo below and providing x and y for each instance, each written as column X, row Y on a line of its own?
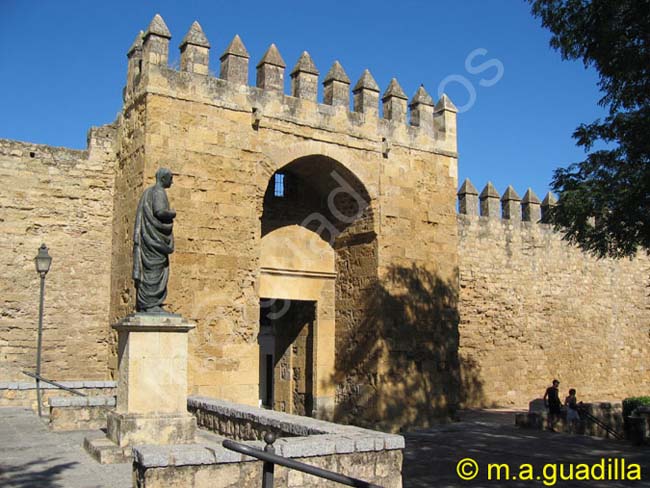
column 418, row 308
column 533, row 308
column 62, row 197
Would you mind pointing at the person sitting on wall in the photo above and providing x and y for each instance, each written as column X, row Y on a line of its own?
column 572, row 414
column 552, row 402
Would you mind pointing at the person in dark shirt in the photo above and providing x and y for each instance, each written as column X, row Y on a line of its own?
column 552, row 402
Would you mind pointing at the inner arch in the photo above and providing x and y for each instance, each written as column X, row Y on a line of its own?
column 320, row 194
column 318, row 259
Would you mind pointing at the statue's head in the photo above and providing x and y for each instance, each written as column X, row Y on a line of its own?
column 164, row 177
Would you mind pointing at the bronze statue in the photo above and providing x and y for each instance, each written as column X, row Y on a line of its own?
column 153, row 242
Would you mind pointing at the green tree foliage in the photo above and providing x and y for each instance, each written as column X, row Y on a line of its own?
column 631, row 403
column 604, row 201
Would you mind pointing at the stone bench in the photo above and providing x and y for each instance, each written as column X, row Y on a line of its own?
column 639, row 425
column 79, row 413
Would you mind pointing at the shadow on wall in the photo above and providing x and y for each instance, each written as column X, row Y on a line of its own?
column 400, row 367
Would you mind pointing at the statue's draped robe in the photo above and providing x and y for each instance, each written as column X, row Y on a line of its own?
column 153, row 242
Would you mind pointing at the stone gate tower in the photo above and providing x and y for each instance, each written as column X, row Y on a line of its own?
column 316, row 245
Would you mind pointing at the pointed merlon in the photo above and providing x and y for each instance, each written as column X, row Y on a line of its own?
column 394, row 90
column 530, row 197
column 195, row 36
column 272, row 56
column 549, row 200
column 366, row 82
column 467, row 188
column 158, row 27
column 489, row 191
column 445, row 103
column 337, row 73
column 137, row 43
column 421, row 97
column 510, row 194
column 305, row 65
column 236, row 48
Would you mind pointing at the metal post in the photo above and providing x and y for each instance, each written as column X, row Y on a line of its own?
column 268, row 467
column 38, row 347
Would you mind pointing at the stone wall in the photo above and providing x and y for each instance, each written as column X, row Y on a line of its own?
column 394, row 343
column 224, row 140
column 534, row 308
column 606, row 413
column 129, row 183
column 243, row 422
column 382, row 469
column 371, row 456
column 63, row 198
column 23, row 393
column 79, row 413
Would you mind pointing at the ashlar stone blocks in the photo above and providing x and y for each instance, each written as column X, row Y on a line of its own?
column 152, row 381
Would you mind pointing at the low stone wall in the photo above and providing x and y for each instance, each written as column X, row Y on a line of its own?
column 383, row 468
column 23, row 393
column 80, row 413
column 609, row 413
column 241, row 422
column 360, row 453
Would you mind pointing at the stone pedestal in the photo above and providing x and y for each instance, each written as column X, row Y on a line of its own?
column 152, row 386
column 128, row 429
column 152, row 381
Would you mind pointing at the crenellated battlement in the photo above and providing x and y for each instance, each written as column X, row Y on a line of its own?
column 315, row 186
column 508, row 207
column 418, row 122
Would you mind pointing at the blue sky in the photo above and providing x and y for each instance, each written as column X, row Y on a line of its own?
column 64, row 64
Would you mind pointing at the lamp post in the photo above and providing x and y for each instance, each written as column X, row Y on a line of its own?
column 43, row 261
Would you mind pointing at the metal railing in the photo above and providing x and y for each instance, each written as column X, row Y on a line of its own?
column 39, row 378
column 600, row 423
column 271, row 459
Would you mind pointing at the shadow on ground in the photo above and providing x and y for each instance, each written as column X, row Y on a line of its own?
column 42, row 473
column 431, row 455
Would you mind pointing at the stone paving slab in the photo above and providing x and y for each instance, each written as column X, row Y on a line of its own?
column 431, row 455
column 32, row 456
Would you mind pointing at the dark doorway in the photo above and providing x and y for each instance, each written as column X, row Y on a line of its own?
column 286, row 342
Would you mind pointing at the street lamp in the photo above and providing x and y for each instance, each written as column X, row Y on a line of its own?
column 43, row 262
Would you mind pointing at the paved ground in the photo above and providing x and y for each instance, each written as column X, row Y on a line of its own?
column 31, row 456
column 431, row 456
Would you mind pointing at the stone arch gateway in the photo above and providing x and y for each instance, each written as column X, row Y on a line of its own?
column 428, row 308
column 224, row 141
column 318, row 233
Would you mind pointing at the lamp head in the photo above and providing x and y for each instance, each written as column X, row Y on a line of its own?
column 43, row 260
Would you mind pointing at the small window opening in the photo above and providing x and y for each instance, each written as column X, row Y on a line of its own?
column 278, row 181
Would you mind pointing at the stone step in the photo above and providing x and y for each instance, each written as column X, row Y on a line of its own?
column 105, row 451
